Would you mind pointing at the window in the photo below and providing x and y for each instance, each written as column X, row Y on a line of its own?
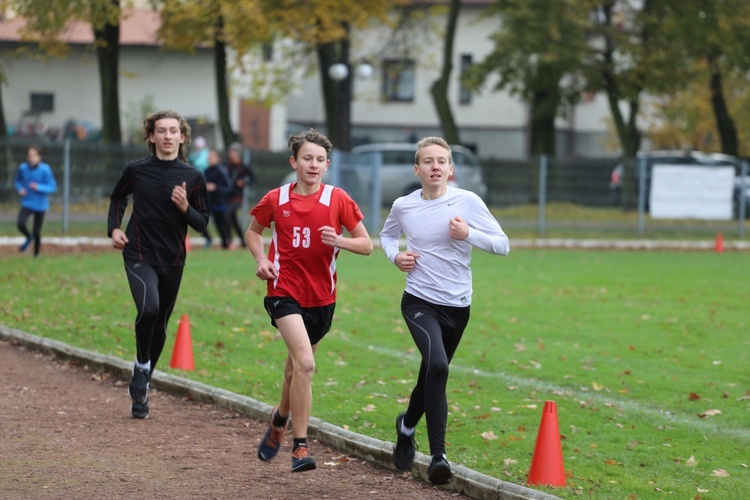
column 398, row 81
column 42, row 102
column 464, row 95
column 267, row 50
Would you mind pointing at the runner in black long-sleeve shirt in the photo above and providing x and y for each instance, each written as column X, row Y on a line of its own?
column 168, row 195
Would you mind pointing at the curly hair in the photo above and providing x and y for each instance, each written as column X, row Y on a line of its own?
column 149, row 125
column 311, row 135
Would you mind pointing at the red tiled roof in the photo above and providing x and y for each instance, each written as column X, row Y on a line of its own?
column 137, row 27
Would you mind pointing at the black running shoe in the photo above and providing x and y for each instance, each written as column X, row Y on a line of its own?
column 139, row 385
column 403, row 452
column 271, row 442
column 301, row 459
column 439, row 471
column 26, row 243
column 139, row 410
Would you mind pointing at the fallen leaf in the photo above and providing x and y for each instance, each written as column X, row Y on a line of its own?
column 610, row 462
column 368, row 408
column 694, row 396
column 701, row 490
column 720, row 473
column 710, row 413
column 489, row 436
column 509, row 461
column 691, row 462
column 597, row 386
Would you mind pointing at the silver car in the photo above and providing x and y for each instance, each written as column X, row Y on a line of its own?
column 397, row 168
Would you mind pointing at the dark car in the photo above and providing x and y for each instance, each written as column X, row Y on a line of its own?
column 679, row 157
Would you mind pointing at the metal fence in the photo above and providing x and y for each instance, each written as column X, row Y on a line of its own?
column 86, row 172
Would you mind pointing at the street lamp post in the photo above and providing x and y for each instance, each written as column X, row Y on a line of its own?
column 343, row 78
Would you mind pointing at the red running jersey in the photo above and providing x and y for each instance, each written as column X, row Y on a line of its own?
column 306, row 267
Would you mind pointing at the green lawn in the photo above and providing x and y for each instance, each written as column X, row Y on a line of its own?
column 645, row 353
column 562, row 220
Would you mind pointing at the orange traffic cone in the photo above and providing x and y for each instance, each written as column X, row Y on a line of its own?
column 187, row 244
column 182, row 355
column 547, row 462
column 719, row 245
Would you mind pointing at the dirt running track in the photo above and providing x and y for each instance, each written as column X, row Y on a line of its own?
column 66, row 432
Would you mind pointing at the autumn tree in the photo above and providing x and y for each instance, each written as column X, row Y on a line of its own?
column 47, row 19
column 324, row 26
column 715, row 36
column 633, row 54
column 439, row 88
column 220, row 24
column 537, row 55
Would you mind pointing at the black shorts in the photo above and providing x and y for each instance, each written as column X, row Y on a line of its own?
column 317, row 319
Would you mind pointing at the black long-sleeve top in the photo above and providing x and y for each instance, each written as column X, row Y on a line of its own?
column 157, row 229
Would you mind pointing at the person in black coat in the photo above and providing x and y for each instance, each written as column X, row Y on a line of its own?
column 168, row 196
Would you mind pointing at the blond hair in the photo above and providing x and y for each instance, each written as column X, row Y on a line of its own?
column 431, row 141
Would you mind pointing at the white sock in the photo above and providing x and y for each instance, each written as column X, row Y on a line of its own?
column 143, row 366
column 408, row 431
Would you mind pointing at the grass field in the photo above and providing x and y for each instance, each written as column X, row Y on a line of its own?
column 645, row 353
column 562, row 220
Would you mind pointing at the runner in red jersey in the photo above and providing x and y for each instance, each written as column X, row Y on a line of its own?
column 308, row 219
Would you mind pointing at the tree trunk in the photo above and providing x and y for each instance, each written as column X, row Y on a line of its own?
column 337, row 94
column 3, row 124
column 628, row 134
column 108, row 54
column 544, row 104
column 724, row 121
column 439, row 88
column 222, row 88
column 542, row 134
column 10, row 167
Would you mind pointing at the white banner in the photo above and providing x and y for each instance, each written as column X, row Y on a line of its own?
column 691, row 192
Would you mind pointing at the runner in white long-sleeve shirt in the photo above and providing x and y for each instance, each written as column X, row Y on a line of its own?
column 441, row 225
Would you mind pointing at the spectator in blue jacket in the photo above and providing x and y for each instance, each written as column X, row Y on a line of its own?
column 34, row 183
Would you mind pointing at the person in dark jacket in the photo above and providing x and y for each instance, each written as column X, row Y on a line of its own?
column 168, row 196
column 34, row 183
column 242, row 176
column 219, row 186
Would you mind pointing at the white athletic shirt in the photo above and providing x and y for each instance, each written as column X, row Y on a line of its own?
column 441, row 274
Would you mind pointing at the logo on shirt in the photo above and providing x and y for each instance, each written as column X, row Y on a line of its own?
column 450, row 204
column 276, row 304
column 464, row 300
column 286, row 213
column 418, row 315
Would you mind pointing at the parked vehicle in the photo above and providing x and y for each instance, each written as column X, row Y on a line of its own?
column 678, row 157
column 397, row 171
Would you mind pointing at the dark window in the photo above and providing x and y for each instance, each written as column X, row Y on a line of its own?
column 267, row 52
column 464, row 96
column 398, row 81
column 42, row 102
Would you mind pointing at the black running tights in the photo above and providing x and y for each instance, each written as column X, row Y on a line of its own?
column 436, row 331
column 36, row 232
column 154, row 290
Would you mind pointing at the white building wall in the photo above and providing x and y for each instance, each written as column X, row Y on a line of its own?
column 495, row 123
column 173, row 80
